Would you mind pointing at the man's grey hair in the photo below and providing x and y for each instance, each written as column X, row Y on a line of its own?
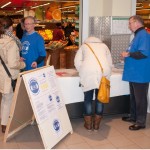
column 137, row 18
column 30, row 17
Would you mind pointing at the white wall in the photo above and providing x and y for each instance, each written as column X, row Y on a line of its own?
column 107, row 8
column 111, row 7
column 85, row 20
column 95, row 8
column 121, row 7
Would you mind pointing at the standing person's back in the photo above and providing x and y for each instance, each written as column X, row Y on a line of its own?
column 9, row 52
column 20, row 29
column 68, row 29
column 58, row 33
column 90, row 76
column 33, row 49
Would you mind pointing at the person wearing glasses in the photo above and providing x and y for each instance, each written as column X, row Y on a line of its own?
column 33, row 49
column 137, row 73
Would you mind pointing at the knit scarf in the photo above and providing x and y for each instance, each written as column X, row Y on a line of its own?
column 10, row 34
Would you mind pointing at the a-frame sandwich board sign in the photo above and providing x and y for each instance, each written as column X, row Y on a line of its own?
column 38, row 95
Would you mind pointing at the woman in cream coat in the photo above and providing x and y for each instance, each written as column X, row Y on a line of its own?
column 90, row 76
column 9, row 52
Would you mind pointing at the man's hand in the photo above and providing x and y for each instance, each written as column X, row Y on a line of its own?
column 34, row 64
column 125, row 54
column 22, row 59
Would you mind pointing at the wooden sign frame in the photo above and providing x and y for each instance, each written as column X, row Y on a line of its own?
column 24, row 113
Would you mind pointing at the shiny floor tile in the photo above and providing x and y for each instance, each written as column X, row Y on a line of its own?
column 113, row 134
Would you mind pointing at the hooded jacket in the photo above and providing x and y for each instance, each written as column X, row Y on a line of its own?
column 87, row 65
column 9, row 52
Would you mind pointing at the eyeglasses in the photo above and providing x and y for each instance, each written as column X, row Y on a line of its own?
column 27, row 24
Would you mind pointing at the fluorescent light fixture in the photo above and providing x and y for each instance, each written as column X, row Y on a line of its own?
column 139, row 7
column 5, row 4
column 67, row 7
column 40, row 5
column 67, row 11
column 19, row 11
column 143, row 9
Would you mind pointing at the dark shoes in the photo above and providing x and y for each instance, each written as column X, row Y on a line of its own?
column 136, row 127
column 128, row 119
column 3, row 128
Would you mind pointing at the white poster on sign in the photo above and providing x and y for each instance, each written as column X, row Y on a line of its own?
column 48, row 105
column 119, row 25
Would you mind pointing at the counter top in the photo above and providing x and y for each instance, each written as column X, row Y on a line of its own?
column 69, row 85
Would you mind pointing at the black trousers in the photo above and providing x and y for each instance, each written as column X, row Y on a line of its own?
column 138, row 102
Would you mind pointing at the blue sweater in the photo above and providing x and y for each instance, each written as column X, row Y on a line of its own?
column 32, row 48
column 138, row 70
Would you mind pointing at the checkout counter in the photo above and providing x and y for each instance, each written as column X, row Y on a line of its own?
column 73, row 96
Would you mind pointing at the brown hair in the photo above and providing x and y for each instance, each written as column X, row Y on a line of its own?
column 5, row 23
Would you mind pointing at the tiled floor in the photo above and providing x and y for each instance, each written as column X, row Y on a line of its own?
column 113, row 134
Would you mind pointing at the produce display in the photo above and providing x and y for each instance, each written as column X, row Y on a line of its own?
column 52, row 7
column 56, row 44
column 56, row 14
column 47, row 34
column 71, row 47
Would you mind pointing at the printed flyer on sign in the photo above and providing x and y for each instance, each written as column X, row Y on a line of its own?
column 44, row 92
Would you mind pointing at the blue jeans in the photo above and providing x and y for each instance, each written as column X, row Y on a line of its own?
column 88, row 98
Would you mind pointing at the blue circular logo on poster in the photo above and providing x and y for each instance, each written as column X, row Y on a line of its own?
column 50, row 97
column 56, row 125
column 57, row 99
column 34, row 86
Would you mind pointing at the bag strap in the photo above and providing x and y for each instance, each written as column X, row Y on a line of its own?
column 5, row 67
column 95, row 56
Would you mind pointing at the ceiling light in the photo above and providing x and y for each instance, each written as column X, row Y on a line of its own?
column 143, row 9
column 40, row 5
column 67, row 7
column 5, row 4
column 67, row 11
column 139, row 7
column 19, row 11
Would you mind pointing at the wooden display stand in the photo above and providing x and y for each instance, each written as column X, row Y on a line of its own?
column 70, row 55
column 37, row 96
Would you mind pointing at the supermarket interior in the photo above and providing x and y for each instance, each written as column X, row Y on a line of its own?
column 61, row 125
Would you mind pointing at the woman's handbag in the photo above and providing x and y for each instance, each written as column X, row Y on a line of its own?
column 13, row 82
column 104, row 88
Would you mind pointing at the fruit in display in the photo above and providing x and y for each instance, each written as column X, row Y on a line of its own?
column 56, row 14
column 56, row 44
column 48, row 14
column 71, row 47
column 39, row 13
column 47, row 34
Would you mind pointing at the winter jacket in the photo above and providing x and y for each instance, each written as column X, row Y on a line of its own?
column 9, row 52
column 87, row 65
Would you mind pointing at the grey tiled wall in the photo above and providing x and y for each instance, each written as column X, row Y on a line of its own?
column 101, row 27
